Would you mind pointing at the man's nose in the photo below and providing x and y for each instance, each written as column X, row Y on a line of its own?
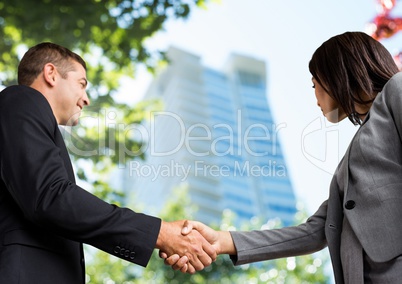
column 86, row 100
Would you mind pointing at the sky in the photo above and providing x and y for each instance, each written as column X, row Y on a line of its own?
column 284, row 34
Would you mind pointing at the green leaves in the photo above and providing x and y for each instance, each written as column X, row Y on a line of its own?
column 117, row 27
column 109, row 35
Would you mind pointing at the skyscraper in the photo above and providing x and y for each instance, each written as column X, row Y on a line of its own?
column 215, row 135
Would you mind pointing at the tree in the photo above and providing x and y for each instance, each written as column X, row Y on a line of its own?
column 112, row 30
column 110, row 35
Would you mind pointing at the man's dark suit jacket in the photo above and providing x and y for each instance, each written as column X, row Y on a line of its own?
column 44, row 216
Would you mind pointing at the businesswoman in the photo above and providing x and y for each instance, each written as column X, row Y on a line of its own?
column 354, row 77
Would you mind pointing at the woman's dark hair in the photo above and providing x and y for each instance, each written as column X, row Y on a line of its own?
column 38, row 56
column 351, row 65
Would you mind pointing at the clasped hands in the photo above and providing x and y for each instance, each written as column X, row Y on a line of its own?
column 188, row 246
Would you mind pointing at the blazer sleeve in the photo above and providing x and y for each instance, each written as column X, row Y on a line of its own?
column 262, row 245
column 36, row 176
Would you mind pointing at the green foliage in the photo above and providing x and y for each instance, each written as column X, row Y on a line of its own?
column 114, row 29
column 110, row 35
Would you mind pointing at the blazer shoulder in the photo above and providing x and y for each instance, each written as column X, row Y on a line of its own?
column 23, row 99
column 21, row 93
column 394, row 85
column 391, row 94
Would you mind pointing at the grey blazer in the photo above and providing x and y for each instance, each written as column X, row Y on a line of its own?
column 370, row 178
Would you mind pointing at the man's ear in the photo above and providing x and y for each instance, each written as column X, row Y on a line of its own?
column 49, row 73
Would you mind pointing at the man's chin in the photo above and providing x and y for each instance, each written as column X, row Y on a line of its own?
column 71, row 122
column 75, row 122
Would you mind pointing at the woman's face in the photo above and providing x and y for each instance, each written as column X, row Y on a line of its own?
column 329, row 107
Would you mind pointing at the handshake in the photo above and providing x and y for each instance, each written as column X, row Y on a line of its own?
column 190, row 246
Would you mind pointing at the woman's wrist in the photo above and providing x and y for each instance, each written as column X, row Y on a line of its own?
column 226, row 243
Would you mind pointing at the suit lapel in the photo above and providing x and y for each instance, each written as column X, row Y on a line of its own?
column 343, row 172
column 343, row 179
column 333, row 226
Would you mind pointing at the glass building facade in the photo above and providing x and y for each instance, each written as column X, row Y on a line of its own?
column 217, row 137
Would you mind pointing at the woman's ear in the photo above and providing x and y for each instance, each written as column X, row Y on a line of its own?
column 49, row 74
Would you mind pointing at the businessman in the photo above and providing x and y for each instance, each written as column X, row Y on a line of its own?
column 44, row 216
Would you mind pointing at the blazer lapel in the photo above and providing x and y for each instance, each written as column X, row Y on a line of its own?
column 343, row 178
column 333, row 227
column 343, row 172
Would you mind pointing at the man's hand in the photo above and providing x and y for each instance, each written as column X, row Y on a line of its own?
column 221, row 241
column 195, row 252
